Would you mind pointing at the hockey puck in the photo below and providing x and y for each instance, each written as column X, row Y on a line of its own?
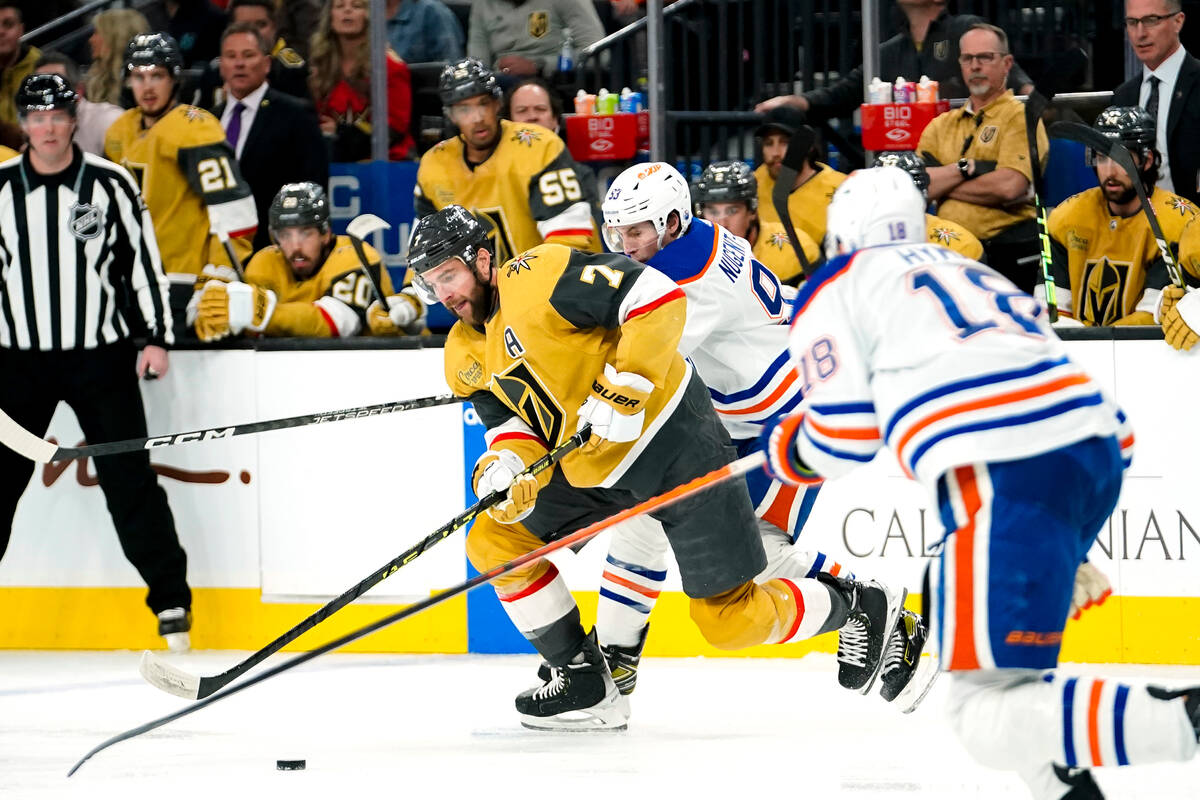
column 290, row 765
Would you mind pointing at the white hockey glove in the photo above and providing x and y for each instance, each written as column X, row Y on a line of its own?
column 1181, row 319
column 226, row 308
column 1091, row 589
column 405, row 313
column 616, row 408
column 498, row 471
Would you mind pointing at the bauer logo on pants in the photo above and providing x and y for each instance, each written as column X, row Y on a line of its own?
column 86, row 221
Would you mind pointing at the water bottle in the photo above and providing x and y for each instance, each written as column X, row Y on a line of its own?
column 566, row 56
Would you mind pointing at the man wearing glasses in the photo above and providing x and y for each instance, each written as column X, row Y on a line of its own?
column 1168, row 88
column 978, row 159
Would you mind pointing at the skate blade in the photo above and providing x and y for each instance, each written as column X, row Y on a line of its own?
column 918, row 687
column 895, row 606
column 611, row 715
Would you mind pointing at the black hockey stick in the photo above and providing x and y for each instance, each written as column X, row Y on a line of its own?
column 693, row 487
column 166, row 676
column 799, row 146
column 1112, row 148
column 1035, row 104
column 359, row 229
column 21, row 441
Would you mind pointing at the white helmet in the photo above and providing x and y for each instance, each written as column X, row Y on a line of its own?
column 646, row 193
column 875, row 206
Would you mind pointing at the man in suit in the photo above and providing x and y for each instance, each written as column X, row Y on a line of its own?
column 1168, row 88
column 275, row 136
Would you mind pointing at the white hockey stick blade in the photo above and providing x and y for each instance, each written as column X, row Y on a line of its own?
column 364, row 225
column 917, row 689
column 166, row 676
column 21, row 441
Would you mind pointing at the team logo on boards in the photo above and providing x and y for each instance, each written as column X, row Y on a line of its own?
column 85, row 220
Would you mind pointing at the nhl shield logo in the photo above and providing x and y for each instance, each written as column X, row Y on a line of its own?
column 86, row 221
column 539, row 24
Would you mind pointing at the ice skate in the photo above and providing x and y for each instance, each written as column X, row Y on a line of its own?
column 173, row 625
column 903, row 679
column 579, row 696
column 873, row 615
column 1056, row 782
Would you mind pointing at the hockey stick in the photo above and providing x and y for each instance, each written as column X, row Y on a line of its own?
column 692, row 487
column 234, row 261
column 359, row 229
column 21, row 441
column 799, row 146
column 1112, row 148
column 166, row 676
column 1035, row 104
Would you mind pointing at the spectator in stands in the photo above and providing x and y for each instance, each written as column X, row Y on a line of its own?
column 534, row 100
column 937, row 230
column 519, row 39
column 275, row 137
column 978, row 159
column 814, row 186
column 297, row 20
column 423, row 30
column 16, row 59
column 195, row 24
column 92, row 120
column 1107, row 266
column 1169, row 88
column 187, row 172
column 111, row 31
column 309, row 283
column 727, row 195
column 289, row 71
column 927, row 44
column 340, row 82
column 520, row 177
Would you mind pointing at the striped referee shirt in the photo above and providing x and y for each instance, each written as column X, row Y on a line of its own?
column 79, row 265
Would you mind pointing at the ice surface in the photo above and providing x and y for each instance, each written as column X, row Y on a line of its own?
column 385, row 726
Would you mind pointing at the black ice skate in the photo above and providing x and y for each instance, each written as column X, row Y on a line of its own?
column 623, row 663
column 1191, row 702
column 173, row 625
column 1078, row 783
column 873, row 614
column 578, row 696
column 902, row 677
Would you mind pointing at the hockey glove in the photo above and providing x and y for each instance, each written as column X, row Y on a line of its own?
column 405, row 313
column 1182, row 321
column 226, row 308
column 211, row 272
column 779, row 439
column 1167, row 299
column 1091, row 589
column 616, row 408
column 500, row 470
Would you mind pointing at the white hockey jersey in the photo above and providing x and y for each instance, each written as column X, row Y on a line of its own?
column 736, row 331
column 938, row 357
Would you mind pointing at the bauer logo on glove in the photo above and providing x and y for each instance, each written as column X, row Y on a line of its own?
column 616, row 407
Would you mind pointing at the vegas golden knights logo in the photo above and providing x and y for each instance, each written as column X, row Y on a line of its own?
column 539, row 24
column 1104, row 292
column 521, row 390
column 498, row 233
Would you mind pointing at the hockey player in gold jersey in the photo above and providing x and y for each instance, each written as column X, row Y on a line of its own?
column 517, row 174
column 1106, row 262
column 938, row 230
column 727, row 195
column 179, row 158
column 815, row 184
column 310, row 283
column 1179, row 311
column 555, row 339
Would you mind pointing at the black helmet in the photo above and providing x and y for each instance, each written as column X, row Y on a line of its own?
column 908, row 161
column 465, row 79
column 299, row 205
column 784, row 119
column 449, row 233
column 154, row 50
column 45, row 93
column 726, row 182
column 1132, row 125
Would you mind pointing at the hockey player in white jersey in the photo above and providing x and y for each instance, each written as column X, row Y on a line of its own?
column 736, row 336
column 906, row 345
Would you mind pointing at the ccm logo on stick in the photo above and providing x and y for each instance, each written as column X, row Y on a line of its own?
column 194, row 436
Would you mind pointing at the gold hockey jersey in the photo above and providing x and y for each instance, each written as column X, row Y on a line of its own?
column 774, row 251
column 191, row 183
column 333, row 302
column 807, row 204
column 1189, row 253
column 952, row 235
column 528, row 188
column 1107, row 269
column 562, row 315
column 7, row 152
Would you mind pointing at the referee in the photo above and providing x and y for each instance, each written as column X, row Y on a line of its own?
column 81, row 276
